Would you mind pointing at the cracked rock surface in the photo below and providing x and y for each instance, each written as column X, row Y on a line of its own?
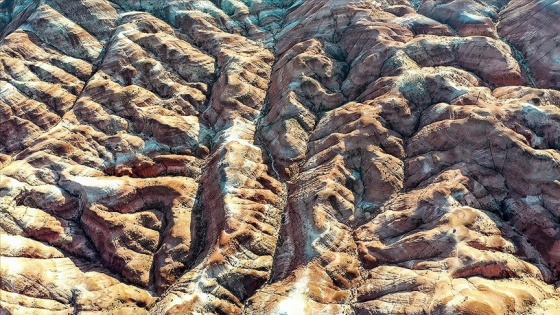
column 280, row 157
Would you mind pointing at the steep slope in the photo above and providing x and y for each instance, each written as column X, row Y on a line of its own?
column 279, row 157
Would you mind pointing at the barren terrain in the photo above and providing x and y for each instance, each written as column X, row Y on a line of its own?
column 280, row 157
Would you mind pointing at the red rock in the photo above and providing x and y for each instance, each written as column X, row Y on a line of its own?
column 279, row 157
column 529, row 27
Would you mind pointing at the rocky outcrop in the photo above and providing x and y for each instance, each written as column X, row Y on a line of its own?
column 529, row 27
column 279, row 157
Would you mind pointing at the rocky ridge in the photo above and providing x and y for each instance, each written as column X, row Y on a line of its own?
column 279, row 157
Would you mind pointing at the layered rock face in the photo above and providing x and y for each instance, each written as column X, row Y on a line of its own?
column 279, row 157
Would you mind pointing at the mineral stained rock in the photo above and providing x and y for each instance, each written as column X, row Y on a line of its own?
column 280, row 157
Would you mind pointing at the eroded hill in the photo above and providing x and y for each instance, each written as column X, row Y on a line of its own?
column 279, row 157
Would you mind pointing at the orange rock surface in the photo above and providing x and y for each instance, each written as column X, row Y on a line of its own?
column 279, row 157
